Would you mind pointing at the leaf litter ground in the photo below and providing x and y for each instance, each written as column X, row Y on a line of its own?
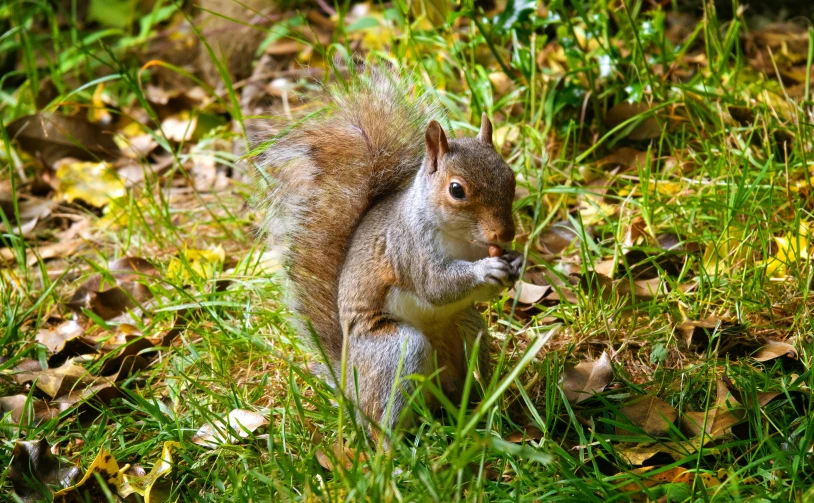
column 664, row 209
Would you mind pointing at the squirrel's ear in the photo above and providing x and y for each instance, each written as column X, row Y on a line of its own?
column 485, row 134
column 437, row 145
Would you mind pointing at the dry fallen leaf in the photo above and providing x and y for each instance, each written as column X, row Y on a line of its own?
column 636, row 229
column 638, row 454
column 242, row 422
column 53, row 136
column 346, row 458
column 149, row 485
column 527, row 293
column 94, row 183
column 40, row 410
column 587, row 378
column 107, row 298
column 625, row 157
column 32, row 461
column 108, row 469
column 561, row 235
column 60, row 249
column 57, row 381
column 718, row 420
column 670, row 476
column 775, row 349
column 696, row 334
column 55, row 338
column 645, row 128
column 649, row 414
column 528, row 432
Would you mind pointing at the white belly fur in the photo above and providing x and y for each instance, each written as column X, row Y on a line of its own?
column 406, row 306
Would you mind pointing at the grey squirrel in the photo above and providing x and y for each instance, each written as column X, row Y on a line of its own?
column 392, row 233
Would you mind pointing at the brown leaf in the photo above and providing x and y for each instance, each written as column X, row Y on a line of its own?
column 650, row 414
column 638, row 454
column 242, row 422
column 88, row 399
column 108, row 300
column 696, row 334
column 636, row 229
column 33, row 466
column 57, row 381
column 775, row 349
column 560, row 236
column 54, row 338
column 60, row 249
column 346, row 458
column 718, row 420
column 16, row 405
column 670, row 476
column 31, row 210
column 528, row 432
column 527, row 293
column 587, row 378
column 644, row 129
column 53, row 136
column 125, row 365
column 625, row 157
column 744, row 115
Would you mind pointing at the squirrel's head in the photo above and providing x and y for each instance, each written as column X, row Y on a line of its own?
column 471, row 187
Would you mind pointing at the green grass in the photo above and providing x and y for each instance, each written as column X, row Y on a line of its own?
column 715, row 182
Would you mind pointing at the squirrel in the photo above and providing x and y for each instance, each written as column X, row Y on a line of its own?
column 389, row 231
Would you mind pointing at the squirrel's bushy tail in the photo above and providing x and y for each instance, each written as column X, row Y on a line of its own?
column 326, row 170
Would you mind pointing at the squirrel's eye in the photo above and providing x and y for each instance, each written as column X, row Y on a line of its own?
column 456, row 190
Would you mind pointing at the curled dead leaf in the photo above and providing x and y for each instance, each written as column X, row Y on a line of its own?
column 643, row 128
column 26, row 412
column 94, row 183
column 106, row 466
column 149, row 485
column 34, row 470
column 54, row 136
column 674, row 475
column 528, row 432
column 586, row 379
column 560, row 236
column 241, row 423
column 528, row 293
column 650, row 414
column 775, row 349
column 57, row 381
column 108, row 299
column 345, row 458
column 718, row 420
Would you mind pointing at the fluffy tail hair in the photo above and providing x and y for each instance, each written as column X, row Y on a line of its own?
column 326, row 171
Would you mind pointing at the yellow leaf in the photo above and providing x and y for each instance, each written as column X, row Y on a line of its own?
column 202, row 263
column 95, row 183
column 144, row 485
column 98, row 112
column 106, row 466
column 723, row 254
column 791, row 248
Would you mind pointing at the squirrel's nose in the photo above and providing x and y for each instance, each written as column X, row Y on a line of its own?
column 503, row 234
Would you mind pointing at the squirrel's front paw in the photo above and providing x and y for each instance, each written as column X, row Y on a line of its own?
column 496, row 271
column 515, row 262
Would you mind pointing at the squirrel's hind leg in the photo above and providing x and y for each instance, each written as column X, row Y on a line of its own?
column 454, row 351
column 375, row 360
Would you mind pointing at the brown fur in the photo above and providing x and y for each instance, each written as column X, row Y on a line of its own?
column 380, row 246
column 328, row 170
